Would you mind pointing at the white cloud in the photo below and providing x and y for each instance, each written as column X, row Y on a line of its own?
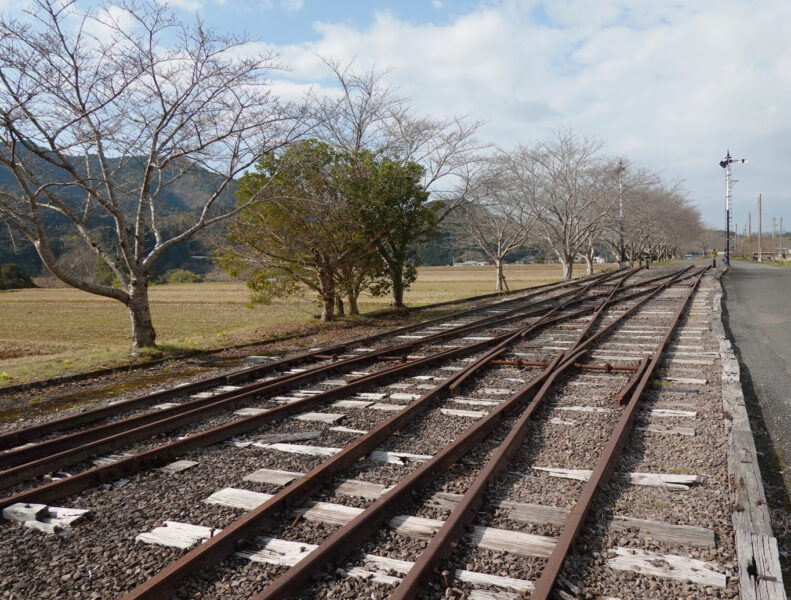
column 188, row 5
column 106, row 23
column 670, row 85
column 292, row 5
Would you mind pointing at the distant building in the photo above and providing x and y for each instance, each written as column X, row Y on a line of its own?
column 471, row 263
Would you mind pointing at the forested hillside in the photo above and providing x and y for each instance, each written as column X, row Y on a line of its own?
column 179, row 202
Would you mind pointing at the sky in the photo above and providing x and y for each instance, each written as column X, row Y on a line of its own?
column 670, row 85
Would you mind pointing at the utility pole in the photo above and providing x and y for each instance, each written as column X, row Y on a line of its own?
column 781, row 239
column 749, row 232
column 726, row 164
column 774, row 220
column 760, row 247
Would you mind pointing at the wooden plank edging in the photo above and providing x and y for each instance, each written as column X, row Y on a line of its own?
column 760, row 576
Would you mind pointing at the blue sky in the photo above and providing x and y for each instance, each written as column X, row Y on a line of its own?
column 292, row 21
column 668, row 85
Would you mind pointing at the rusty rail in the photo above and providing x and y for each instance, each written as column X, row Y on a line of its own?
column 156, row 456
column 606, row 367
column 605, row 465
column 226, row 542
column 48, row 456
column 22, row 436
column 161, row 453
column 55, row 453
column 348, row 537
column 52, row 446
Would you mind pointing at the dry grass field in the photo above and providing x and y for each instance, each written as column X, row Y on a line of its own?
column 50, row 331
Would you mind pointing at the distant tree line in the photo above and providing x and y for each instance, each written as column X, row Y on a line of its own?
column 573, row 203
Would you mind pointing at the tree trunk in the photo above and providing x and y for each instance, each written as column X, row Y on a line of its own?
column 352, row 298
column 498, row 262
column 589, row 261
column 568, row 266
column 398, row 287
column 339, row 303
column 143, row 334
column 352, row 289
column 327, row 295
column 327, row 307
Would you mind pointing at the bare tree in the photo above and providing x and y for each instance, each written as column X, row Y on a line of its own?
column 678, row 224
column 359, row 116
column 710, row 239
column 602, row 214
column 567, row 182
column 497, row 217
column 659, row 221
column 368, row 114
column 369, row 117
column 628, row 208
column 104, row 110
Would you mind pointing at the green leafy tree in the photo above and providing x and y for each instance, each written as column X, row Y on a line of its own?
column 375, row 125
column 12, row 277
column 398, row 217
column 359, row 272
column 182, row 276
column 303, row 232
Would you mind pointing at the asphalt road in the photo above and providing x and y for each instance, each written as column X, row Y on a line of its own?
column 758, row 306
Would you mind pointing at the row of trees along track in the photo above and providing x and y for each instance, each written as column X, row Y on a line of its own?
column 102, row 127
column 486, row 354
column 568, row 197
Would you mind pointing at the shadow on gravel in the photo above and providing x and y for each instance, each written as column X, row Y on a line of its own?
column 775, row 473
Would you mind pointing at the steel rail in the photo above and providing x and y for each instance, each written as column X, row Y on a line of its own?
column 348, row 537
column 220, row 403
column 595, row 280
column 441, row 544
column 148, row 459
column 493, row 355
column 606, row 463
column 47, row 464
column 48, row 447
column 226, row 542
column 155, row 456
column 607, row 367
column 187, row 412
column 21, row 436
column 44, row 457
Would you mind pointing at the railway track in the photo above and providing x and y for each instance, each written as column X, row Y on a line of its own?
column 407, row 469
column 32, row 458
column 20, row 435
